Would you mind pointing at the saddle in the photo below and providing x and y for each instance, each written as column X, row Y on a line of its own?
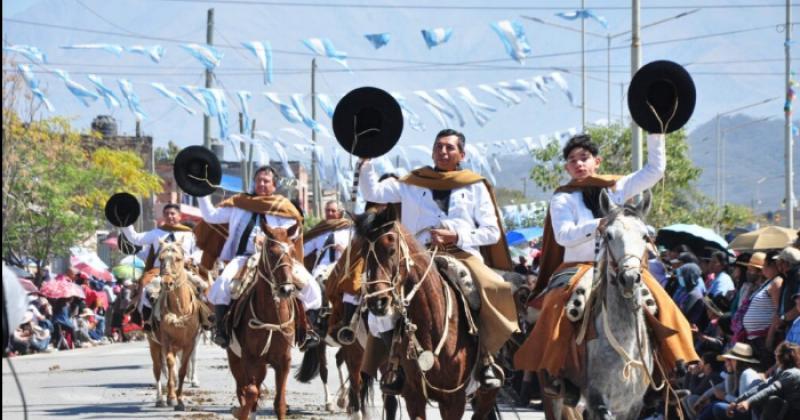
column 458, row 276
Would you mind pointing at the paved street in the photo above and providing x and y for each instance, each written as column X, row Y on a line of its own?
column 115, row 381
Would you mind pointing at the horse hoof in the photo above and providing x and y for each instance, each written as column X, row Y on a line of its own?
column 180, row 407
column 171, row 402
column 160, row 404
column 330, row 407
column 195, row 384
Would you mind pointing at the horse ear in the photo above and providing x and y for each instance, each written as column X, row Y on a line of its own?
column 643, row 206
column 364, row 221
column 292, row 230
column 607, row 205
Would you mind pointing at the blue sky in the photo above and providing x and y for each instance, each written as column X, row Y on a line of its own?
column 729, row 71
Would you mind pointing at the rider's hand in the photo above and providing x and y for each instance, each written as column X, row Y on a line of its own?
column 361, row 162
column 443, row 237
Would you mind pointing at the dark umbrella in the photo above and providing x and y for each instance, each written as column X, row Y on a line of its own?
column 702, row 241
column 19, row 272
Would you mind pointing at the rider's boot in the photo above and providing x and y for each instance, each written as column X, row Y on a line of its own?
column 491, row 375
column 344, row 334
column 146, row 313
column 393, row 379
column 311, row 337
column 221, row 336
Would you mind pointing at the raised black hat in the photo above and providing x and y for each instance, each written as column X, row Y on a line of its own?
column 122, row 209
column 197, row 171
column 368, row 122
column 661, row 97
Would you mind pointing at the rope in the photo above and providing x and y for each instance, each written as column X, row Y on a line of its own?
column 257, row 324
column 630, row 362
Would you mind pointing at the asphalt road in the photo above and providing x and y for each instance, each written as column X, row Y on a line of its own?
column 116, row 381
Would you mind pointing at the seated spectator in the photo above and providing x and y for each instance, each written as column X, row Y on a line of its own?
column 29, row 338
column 793, row 334
column 788, row 263
column 740, row 376
column 722, row 283
column 758, row 320
column 689, row 295
column 62, row 323
column 712, row 337
column 700, row 379
column 779, row 397
column 84, row 324
column 753, row 280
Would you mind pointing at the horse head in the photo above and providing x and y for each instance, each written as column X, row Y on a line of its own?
column 625, row 242
column 171, row 257
column 276, row 260
column 380, row 231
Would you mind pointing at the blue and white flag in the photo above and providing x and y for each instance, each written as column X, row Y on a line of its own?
column 245, row 96
column 108, row 95
column 409, row 116
column 33, row 85
column 529, row 88
column 155, row 52
column 378, row 40
column 476, row 107
column 451, row 104
column 112, row 48
column 209, row 56
column 34, row 54
column 194, row 93
column 133, row 100
column 326, row 104
column 556, row 78
column 505, row 97
column 281, row 151
column 324, row 47
column 218, row 107
column 297, row 103
column 288, row 111
column 436, row 36
column 262, row 51
column 512, row 34
column 299, row 134
column 437, row 109
column 84, row 95
column 583, row 14
column 174, row 96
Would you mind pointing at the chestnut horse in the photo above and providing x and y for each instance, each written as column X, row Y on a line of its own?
column 265, row 331
column 403, row 282
column 179, row 306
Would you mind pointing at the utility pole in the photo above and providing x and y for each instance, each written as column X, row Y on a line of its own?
column 209, row 41
column 316, row 191
column 787, row 133
column 636, row 60
column 243, row 147
column 583, row 71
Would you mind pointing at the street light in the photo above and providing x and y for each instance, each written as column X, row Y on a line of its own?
column 757, row 199
column 718, row 187
column 727, row 130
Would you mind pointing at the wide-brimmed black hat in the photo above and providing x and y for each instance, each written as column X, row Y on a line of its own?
column 661, row 97
column 368, row 122
column 197, row 171
column 125, row 246
column 122, row 209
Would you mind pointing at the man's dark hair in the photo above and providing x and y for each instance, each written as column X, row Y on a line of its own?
column 172, row 206
column 787, row 355
column 450, row 132
column 721, row 258
column 269, row 169
column 583, row 141
column 770, row 258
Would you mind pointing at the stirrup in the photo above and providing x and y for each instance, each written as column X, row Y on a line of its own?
column 392, row 382
column 489, row 378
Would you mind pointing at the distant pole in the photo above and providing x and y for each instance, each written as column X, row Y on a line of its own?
column 621, row 104
column 316, row 191
column 636, row 60
column 787, row 134
column 608, row 76
column 583, row 72
column 243, row 147
column 249, row 171
column 209, row 41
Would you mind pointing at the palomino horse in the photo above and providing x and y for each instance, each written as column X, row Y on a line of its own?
column 436, row 351
column 619, row 360
column 180, row 324
column 265, row 331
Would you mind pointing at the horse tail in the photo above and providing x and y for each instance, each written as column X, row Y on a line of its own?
column 309, row 369
column 366, row 388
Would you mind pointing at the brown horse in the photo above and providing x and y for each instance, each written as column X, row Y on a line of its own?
column 434, row 347
column 177, row 332
column 265, row 331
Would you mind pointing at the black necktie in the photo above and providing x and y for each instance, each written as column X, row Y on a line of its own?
column 329, row 245
column 170, row 237
column 242, row 249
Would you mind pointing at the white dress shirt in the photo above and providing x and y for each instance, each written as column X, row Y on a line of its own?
column 574, row 225
column 152, row 237
column 471, row 213
column 341, row 237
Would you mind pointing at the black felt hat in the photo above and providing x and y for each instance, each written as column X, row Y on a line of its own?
column 197, row 171
column 661, row 97
column 126, row 247
column 122, row 209
column 368, row 122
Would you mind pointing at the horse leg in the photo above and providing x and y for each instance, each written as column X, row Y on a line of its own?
column 597, row 407
column 193, row 380
column 323, row 375
column 342, row 398
column 483, row 404
column 390, row 405
column 186, row 360
column 415, row 406
column 281, row 378
column 452, row 408
column 235, row 365
column 354, row 390
column 170, row 356
column 155, row 355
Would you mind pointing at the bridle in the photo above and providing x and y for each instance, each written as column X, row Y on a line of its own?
column 615, row 266
column 267, row 272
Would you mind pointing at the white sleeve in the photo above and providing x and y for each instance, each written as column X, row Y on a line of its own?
column 635, row 183
column 283, row 223
column 487, row 231
column 386, row 191
column 567, row 230
column 141, row 239
column 212, row 214
column 311, row 246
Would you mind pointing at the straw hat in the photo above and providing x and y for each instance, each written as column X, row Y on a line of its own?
column 757, row 260
column 740, row 351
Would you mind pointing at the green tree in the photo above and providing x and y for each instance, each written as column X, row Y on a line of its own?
column 675, row 199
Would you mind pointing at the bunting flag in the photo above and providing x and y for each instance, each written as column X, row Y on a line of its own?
column 112, row 48
column 324, row 47
column 299, row 134
column 78, row 90
column 451, row 103
column 262, row 51
column 409, row 116
column 33, row 54
column 245, row 96
column 288, row 112
column 326, row 104
column 512, row 34
column 297, row 103
column 402, row 152
column 476, row 107
column 505, row 97
column 33, row 85
column 583, row 14
column 281, row 151
column 508, row 89
column 209, row 56
column 436, row 36
column 555, row 77
column 217, row 107
column 174, row 96
column 108, row 95
column 194, row 93
column 378, row 40
column 438, row 110
column 155, row 52
column 529, row 88
column 133, row 100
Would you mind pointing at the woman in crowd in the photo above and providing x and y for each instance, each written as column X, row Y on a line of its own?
column 779, row 397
